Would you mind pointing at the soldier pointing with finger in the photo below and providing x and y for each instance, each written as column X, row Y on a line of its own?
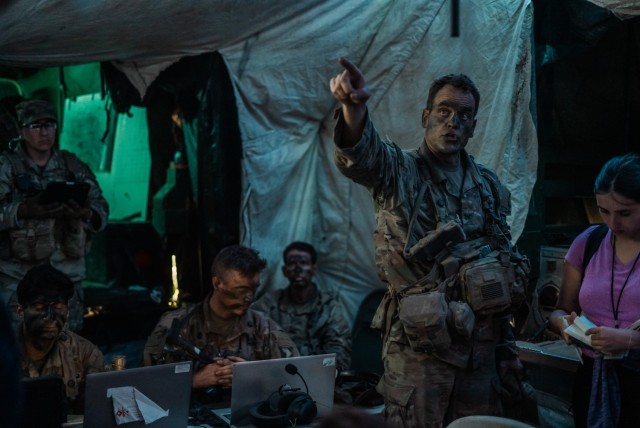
column 441, row 231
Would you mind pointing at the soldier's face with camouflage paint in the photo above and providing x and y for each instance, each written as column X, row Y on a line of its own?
column 233, row 293
column 449, row 123
column 298, row 268
column 44, row 318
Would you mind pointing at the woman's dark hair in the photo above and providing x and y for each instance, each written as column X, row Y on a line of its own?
column 242, row 259
column 620, row 174
column 44, row 280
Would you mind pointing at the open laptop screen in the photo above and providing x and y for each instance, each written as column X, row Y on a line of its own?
column 258, row 381
column 140, row 396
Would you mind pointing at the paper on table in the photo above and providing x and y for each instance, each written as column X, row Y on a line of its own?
column 131, row 405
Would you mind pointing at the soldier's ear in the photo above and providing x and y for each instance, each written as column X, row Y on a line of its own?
column 215, row 282
column 20, row 312
column 425, row 114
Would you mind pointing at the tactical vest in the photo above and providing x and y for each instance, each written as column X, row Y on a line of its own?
column 37, row 239
column 469, row 278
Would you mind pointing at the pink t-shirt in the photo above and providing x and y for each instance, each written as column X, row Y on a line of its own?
column 595, row 292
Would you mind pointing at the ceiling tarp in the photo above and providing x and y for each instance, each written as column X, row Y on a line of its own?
column 623, row 9
column 281, row 55
column 141, row 37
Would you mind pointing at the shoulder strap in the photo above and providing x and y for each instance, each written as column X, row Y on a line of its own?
column 72, row 164
column 593, row 243
column 16, row 163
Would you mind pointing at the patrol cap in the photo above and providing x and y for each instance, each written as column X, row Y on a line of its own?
column 34, row 110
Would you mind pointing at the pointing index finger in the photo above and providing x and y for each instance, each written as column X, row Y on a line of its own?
column 349, row 66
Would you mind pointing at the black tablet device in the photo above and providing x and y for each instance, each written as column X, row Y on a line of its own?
column 64, row 191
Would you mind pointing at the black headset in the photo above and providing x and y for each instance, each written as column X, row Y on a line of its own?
column 284, row 407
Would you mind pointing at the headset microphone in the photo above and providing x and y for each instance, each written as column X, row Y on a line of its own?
column 285, row 407
column 291, row 369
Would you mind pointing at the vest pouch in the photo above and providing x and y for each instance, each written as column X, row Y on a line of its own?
column 33, row 242
column 461, row 318
column 73, row 239
column 424, row 319
column 485, row 284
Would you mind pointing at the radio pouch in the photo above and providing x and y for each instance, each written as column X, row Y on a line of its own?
column 34, row 241
column 424, row 319
column 485, row 283
column 74, row 239
column 461, row 318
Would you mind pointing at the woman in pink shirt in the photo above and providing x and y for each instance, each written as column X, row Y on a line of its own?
column 607, row 391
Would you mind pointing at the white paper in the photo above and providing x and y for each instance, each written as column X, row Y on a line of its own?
column 131, row 405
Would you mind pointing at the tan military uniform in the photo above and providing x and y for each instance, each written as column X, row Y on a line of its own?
column 317, row 326
column 423, row 389
column 73, row 357
column 63, row 243
column 251, row 337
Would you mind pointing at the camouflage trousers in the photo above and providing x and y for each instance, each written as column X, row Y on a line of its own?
column 420, row 391
column 8, row 287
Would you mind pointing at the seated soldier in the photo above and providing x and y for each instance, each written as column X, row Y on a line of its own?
column 47, row 347
column 221, row 330
column 314, row 319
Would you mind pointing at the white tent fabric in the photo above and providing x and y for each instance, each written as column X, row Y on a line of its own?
column 623, row 9
column 281, row 55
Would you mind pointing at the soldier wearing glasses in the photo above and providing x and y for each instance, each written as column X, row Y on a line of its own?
column 48, row 348
column 33, row 232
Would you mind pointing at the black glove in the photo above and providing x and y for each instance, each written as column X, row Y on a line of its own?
column 73, row 210
column 31, row 208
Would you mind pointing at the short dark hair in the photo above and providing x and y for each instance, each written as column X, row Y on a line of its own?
column 458, row 81
column 301, row 246
column 620, row 174
column 44, row 280
column 242, row 259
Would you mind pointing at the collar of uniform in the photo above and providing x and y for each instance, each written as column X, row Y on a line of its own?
column 23, row 153
column 286, row 302
column 434, row 165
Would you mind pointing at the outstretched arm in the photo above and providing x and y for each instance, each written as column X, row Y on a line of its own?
column 350, row 89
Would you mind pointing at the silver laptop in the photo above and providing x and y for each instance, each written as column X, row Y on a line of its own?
column 151, row 397
column 258, row 381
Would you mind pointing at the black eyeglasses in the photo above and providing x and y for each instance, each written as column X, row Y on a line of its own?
column 47, row 126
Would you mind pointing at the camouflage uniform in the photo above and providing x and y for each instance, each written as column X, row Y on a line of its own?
column 317, row 326
column 252, row 337
column 73, row 357
column 71, row 236
column 425, row 389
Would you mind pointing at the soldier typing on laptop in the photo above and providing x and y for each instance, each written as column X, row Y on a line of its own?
column 221, row 330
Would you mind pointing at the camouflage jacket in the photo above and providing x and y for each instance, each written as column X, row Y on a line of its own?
column 395, row 179
column 63, row 166
column 73, row 357
column 253, row 337
column 317, row 327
